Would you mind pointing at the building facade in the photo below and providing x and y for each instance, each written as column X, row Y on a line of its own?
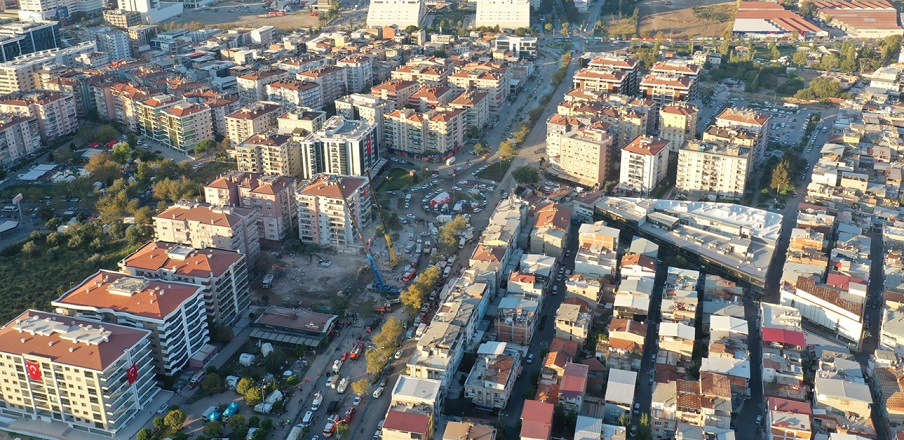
column 328, row 208
column 273, row 197
column 643, row 164
column 340, row 146
column 713, row 169
column 200, row 225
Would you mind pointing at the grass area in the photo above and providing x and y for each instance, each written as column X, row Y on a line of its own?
column 397, row 179
column 723, row 12
column 496, row 171
column 619, row 27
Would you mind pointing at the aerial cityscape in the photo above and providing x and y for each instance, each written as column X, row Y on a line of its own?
column 466, row 220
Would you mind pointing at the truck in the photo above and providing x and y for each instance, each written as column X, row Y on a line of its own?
column 343, row 384
column 358, row 348
column 333, row 381
column 295, row 433
column 443, row 218
column 318, row 399
column 332, row 407
column 410, row 333
column 386, row 307
column 420, row 330
column 450, row 161
column 268, row 281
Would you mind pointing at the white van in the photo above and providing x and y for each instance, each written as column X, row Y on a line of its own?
column 306, row 421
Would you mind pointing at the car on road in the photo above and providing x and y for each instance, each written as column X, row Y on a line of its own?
column 378, row 392
column 337, row 365
column 344, row 357
column 636, row 409
column 530, row 358
column 542, row 323
column 759, row 420
column 398, row 354
column 357, row 400
column 163, row 408
column 633, row 430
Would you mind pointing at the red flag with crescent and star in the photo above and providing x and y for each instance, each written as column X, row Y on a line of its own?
column 34, row 370
column 132, row 373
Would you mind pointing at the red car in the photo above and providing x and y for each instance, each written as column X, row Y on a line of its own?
column 344, row 357
column 313, row 14
column 347, row 414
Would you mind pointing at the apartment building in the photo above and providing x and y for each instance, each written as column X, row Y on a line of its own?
column 95, row 377
column 18, row 73
column 837, row 309
column 331, row 80
column 328, row 208
column 115, row 43
column 220, row 107
column 405, row 422
column 341, row 146
column 491, row 78
column 476, row 106
column 19, row 137
column 666, row 89
column 751, row 121
column 683, row 68
column 117, row 101
column 643, row 164
column 252, row 119
column 516, row 319
column 55, row 111
column 401, row 13
column 292, row 94
column 176, row 123
column 173, row 311
column 359, row 73
column 223, row 275
column 713, row 169
column 585, row 156
column 678, row 124
column 269, row 154
column 601, row 81
column 25, row 38
column 522, row 47
column 507, row 14
column 300, row 122
column 432, row 97
column 550, row 233
column 436, row 132
column 273, row 197
column 573, row 321
column 623, row 63
column 121, row 19
column 492, row 378
column 253, row 86
column 429, row 71
column 397, row 91
column 200, row 225
column 368, row 108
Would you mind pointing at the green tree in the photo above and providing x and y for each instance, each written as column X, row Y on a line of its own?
column 376, row 359
column 175, row 419
column 254, row 422
column 254, row 395
column 564, row 30
column 122, row 152
column 204, row 146
column 800, row 58
column 212, row 382
column 449, row 233
column 829, row 62
column 548, row 27
column 526, row 175
column 237, row 421
column 507, row 150
column 102, row 168
column 106, row 133
column 144, row 434
column 267, row 424
column 781, row 177
column 132, row 139
column 644, row 432
column 412, row 298
column 213, row 428
column 174, row 190
column 138, row 234
column 30, row 248
column 481, row 150
column 360, row 386
column 389, row 335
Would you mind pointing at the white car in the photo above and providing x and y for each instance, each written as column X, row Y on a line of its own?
column 357, row 400
column 337, row 365
column 378, row 392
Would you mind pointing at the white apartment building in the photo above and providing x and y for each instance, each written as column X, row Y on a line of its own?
column 253, row 86
column 492, row 378
column 200, row 225
column 55, row 111
column 436, row 132
column 269, row 154
column 19, row 74
column 750, row 120
column 358, row 107
column 678, row 124
column 331, row 80
column 222, row 274
column 75, row 371
column 176, row 123
column 19, row 137
column 401, row 13
column 341, row 146
column 325, row 219
column 153, row 11
column 507, row 14
column 643, row 164
column 115, row 43
column 292, row 94
column 713, row 169
column 839, row 311
column 173, row 311
column 253, row 119
column 492, row 78
column 359, row 73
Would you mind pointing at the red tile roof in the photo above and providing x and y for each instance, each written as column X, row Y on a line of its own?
column 407, row 422
column 199, row 263
column 536, row 420
column 785, row 337
column 148, row 298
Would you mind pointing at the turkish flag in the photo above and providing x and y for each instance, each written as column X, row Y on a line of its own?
column 34, row 370
column 132, row 373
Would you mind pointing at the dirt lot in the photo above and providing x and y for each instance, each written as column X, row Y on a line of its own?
column 247, row 17
column 676, row 18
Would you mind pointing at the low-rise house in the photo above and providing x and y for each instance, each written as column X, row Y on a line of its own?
column 573, row 322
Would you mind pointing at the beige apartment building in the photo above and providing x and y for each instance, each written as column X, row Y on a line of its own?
column 666, row 89
column 397, row 91
column 585, row 156
column 55, row 111
column 435, row 132
column 713, row 169
column 491, row 78
column 173, row 122
column 678, row 123
column 430, row 71
column 643, row 164
column 251, row 120
column 325, row 219
column 75, row 371
column 118, row 102
column 476, row 106
column 492, row 378
column 201, row 225
column 623, row 63
column 273, row 197
column 222, row 274
column 359, row 73
column 751, row 121
column 601, row 81
column 173, row 311
column 292, row 93
column 365, row 107
column 19, row 137
column 270, row 154
column 253, row 86
column 331, row 80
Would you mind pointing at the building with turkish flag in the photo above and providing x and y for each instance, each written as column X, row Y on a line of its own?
column 174, row 312
column 91, row 375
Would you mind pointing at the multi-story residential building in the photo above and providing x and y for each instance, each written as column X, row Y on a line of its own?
column 476, row 106
column 522, row 47
column 119, row 102
column 584, row 155
column 425, row 71
column 331, row 80
column 837, row 309
column 409, row 422
column 24, row 38
column 623, row 63
column 619, row 394
column 121, row 19
column 676, row 67
column 491, row 78
column 713, row 169
column 142, row 34
column 115, row 43
column 752, row 121
column 432, row 97
column 536, row 420
column 397, row 91
column 55, row 111
column 176, row 123
column 401, row 13
column 678, row 124
column 516, row 319
column 253, row 119
column 492, row 378
column 573, row 387
column 507, row 14
column 19, row 137
column 367, row 108
column 601, row 81
column 666, row 89
column 573, row 322
column 436, row 132
column 220, row 107
column 627, row 335
column 643, row 164
column 273, row 197
column 95, row 377
column 253, row 86
column 550, row 234
column 223, row 275
column 340, row 146
column 328, row 208
column 18, row 74
column 292, row 93
column 359, row 73
column 663, row 409
column 789, row 419
column 269, row 154
column 301, row 122
column 173, row 311
column 468, row 431
column 439, row 352
column 74, row 81
column 200, row 225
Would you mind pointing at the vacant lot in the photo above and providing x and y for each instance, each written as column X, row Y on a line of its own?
column 686, row 18
column 247, row 17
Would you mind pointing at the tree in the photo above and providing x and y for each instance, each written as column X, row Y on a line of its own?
column 106, row 133
column 507, row 150
column 212, row 382
column 800, row 58
column 449, row 233
column 175, row 419
column 102, row 168
column 144, row 434
column 122, row 152
column 376, row 359
column 267, row 424
column 829, row 62
column 807, row 9
column 548, row 27
column 481, row 150
column 174, row 190
column 204, row 146
column 213, row 428
column 237, row 421
column 564, row 30
column 390, row 333
column 132, row 139
column 526, row 174
column 412, row 298
column 137, row 234
column 63, row 155
column 781, row 177
column 254, row 422
column 342, row 431
column 158, row 422
column 254, row 395
column 30, row 248
column 644, row 432
column 361, row 386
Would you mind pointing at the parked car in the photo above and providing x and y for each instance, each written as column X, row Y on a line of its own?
column 378, row 392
